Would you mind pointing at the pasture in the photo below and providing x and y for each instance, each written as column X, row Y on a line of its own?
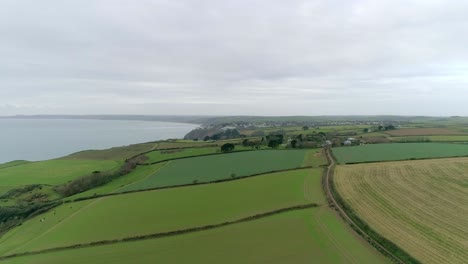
column 218, row 167
column 52, row 171
column 160, row 155
column 116, row 153
column 421, row 206
column 138, row 174
column 134, row 214
column 13, row 163
column 423, row 132
column 398, row 151
column 313, row 235
column 431, row 138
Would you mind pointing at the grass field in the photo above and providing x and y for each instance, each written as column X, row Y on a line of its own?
column 52, row 171
column 398, row 151
column 308, row 236
column 116, row 153
column 431, row 138
column 139, row 174
column 217, row 167
column 163, row 210
column 13, row 163
column 160, row 155
column 422, row 206
column 423, row 132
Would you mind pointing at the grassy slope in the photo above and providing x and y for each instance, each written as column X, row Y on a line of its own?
column 163, row 210
column 52, row 171
column 13, row 163
column 156, row 156
column 139, row 174
column 216, row 167
column 116, row 153
column 422, row 206
column 398, row 151
column 313, row 236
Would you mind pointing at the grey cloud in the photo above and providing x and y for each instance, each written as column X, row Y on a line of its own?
column 233, row 57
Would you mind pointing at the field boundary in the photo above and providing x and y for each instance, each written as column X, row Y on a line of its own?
column 382, row 244
column 186, row 185
column 165, row 234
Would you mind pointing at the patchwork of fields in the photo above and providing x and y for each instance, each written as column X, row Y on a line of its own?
column 398, row 151
column 308, row 236
column 219, row 167
column 422, row 206
column 311, row 234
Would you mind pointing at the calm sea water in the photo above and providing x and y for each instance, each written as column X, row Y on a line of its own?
column 39, row 139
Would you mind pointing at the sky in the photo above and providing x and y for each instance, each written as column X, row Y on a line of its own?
column 212, row 57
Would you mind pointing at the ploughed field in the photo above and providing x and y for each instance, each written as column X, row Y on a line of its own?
column 423, row 132
column 421, row 206
column 398, row 151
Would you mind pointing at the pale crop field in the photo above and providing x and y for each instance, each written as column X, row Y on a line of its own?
column 422, row 206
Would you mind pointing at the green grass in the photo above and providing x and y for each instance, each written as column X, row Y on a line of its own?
column 308, row 236
column 52, row 171
column 13, row 163
column 217, row 167
column 161, row 155
column 315, row 158
column 398, row 151
column 432, row 138
column 116, row 153
column 163, row 210
column 139, row 174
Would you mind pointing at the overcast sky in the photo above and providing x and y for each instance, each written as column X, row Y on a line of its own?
column 268, row 57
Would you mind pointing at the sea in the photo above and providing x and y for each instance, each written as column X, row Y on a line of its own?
column 41, row 139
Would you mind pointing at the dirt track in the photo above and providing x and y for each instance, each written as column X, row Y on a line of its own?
column 334, row 204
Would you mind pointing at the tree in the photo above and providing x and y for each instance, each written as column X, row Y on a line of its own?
column 206, row 138
column 305, row 128
column 228, row 147
column 245, row 142
column 366, row 130
column 300, row 137
column 273, row 144
column 293, row 143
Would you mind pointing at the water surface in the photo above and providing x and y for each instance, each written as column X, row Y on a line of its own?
column 39, row 139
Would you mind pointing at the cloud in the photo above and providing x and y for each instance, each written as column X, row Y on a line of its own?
column 233, row 57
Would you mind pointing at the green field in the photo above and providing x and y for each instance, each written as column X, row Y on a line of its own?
column 13, row 163
column 398, row 151
column 431, row 138
column 224, row 166
column 160, row 155
column 308, row 236
column 52, row 171
column 141, row 213
column 139, row 174
column 116, row 153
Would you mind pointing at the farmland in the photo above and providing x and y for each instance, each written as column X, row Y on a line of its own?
column 423, row 132
column 218, row 167
column 312, row 235
column 398, row 151
column 237, row 199
column 52, row 171
column 421, row 206
column 448, row 138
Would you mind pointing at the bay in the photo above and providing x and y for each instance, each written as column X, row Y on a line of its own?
column 40, row 139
